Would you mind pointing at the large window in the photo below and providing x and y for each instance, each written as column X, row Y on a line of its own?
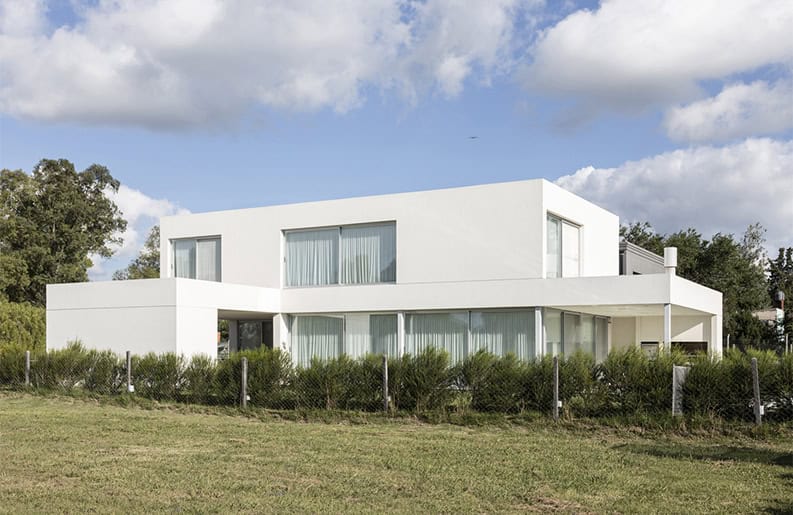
column 355, row 254
column 502, row 333
column 320, row 337
column 447, row 331
column 566, row 333
column 197, row 258
column 563, row 248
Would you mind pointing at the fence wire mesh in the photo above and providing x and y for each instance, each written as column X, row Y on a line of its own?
column 625, row 384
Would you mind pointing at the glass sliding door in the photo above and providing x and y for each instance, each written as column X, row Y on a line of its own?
column 563, row 248
column 184, row 254
column 447, row 331
column 570, row 250
column 588, row 334
column 503, row 332
column 571, row 333
column 601, row 338
column 368, row 254
column 357, row 342
column 312, row 257
column 553, row 257
column 319, row 337
column 208, row 259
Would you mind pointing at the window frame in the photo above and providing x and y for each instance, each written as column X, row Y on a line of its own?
column 195, row 240
column 339, row 228
column 562, row 221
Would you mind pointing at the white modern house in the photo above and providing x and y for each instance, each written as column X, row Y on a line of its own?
column 522, row 267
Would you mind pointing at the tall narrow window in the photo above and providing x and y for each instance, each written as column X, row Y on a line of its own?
column 368, row 254
column 312, row 257
column 588, row 334
column 571, row 333
column 563, row 256
column 553, row 331
column 383, row 329
column 197, row 258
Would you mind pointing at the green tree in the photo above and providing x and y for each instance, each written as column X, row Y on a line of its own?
column 147, row 264
column 50, row 222
column 643, row 235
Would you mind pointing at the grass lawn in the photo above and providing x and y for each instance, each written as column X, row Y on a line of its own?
column 60, row 454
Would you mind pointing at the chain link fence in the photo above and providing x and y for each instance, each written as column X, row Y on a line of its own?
column 754, row 386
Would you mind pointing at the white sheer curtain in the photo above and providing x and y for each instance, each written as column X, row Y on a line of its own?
column 601, row 338
column 316, row 336
column 184, row 253
column 502, row 333
column 553, row 331
column 588, row 334
column 570, row 250
column 368, row 254
column 572, row 333
column 356, row 335
column 383, row 329
column 447, row 331
column 312, row 257
column 208, row 260
column 554, row 247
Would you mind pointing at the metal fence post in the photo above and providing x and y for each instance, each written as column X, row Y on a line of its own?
column 27, row 368
column 130, row 387
column 385, row 383
column 556, row 387
column 758, row 408
column 244, row 384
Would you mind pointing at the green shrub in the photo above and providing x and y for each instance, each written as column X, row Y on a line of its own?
column 325, row 383
column 425, row 381
column 269, row 378
column 538, row 389
column 158, row 377
column 105, row 372
column 722, row 389
column 199, row 381
column 12, row 364
column 227, row 380
column 62, row 369
column 22, row 325
column 494, row 384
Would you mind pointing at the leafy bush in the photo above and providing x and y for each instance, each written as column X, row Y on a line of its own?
column 269, row 376
column 158, row 376
column 495, row 384
column 22, row 325
column 199, row 381
column 105, row 372
column 62, row 369
column 12, row 364
column 719, row 388
column 424, row 381
column 538, row 390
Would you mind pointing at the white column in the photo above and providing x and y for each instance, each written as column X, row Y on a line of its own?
column 281, row 336
column 667, row 327
column 401, row 333
column 539, row 333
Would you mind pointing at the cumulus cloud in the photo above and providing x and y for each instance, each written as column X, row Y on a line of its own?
column 628, row 56
column 141, row 213
column 713, row 189
column 740, row 110
column 181, row 63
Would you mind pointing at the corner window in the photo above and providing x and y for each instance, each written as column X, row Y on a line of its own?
column 563, row 257
column 197, row 258
column 354, row 254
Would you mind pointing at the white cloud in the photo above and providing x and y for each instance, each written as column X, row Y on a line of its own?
column 740, row 110
column 141, row 213
column 630, row 55
column 198, row 62
column 713, row 189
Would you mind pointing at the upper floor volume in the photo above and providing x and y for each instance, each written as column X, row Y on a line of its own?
column 518, row 230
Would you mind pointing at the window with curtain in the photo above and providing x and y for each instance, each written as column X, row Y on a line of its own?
column 502, row 333
column 563, row 255
column 588, row 334
column 312, row 257
column 354, row 254
column 447, row 331
column 571, row 333
column 368, row 254
column 357, row 341
column 552, row 319
column 197, row 258
column 316, row 336
column 601, row 338
column 383, row 331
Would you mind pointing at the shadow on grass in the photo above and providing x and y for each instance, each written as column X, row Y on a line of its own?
column 720, row 453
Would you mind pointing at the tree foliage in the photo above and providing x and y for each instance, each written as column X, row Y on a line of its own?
column 780, row 278
column 50, row 222
column 147, row 264
column 735, row 268
column 22, row 325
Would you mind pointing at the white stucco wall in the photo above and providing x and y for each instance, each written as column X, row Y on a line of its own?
column 488, row 232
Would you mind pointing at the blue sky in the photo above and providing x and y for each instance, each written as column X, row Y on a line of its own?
column 199, row 105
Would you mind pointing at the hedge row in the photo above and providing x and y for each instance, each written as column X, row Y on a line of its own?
column 626, row 383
